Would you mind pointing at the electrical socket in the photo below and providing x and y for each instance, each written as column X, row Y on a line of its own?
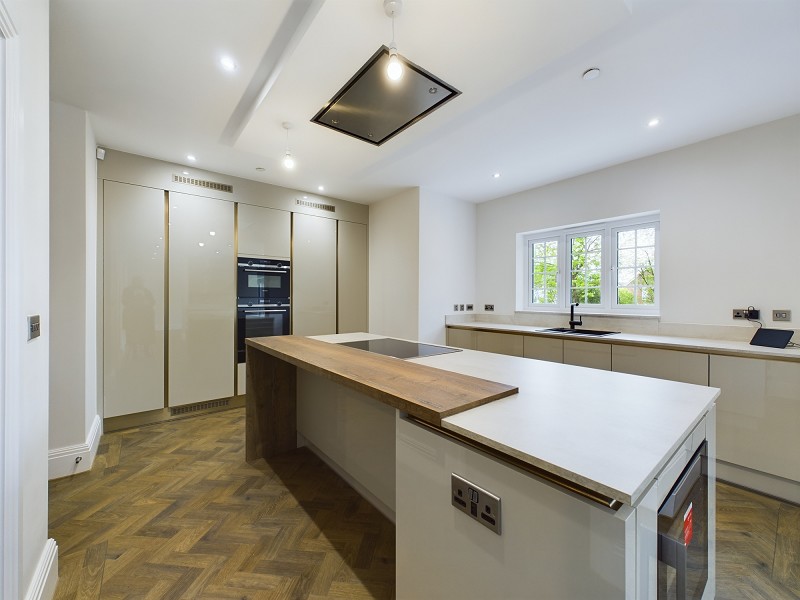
column 455, row 307
column 746, row 313
column 469, row 306
column 781, row 315
column 739, row 313
column 488, row 307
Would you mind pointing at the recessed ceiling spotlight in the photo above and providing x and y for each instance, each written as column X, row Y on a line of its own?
column 590, row 74
column 212, row 233
column 186, row 172
column 653, row 122
column 321, row 188
column 201, row 244
column 191, row 157
column 496, row 175
column 227, row 63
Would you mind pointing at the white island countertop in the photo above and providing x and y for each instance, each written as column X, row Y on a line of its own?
column 609, row 432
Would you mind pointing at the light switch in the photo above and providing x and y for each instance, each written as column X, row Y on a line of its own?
column 33, row 327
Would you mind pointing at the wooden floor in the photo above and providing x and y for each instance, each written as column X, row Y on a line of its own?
column 173, row 511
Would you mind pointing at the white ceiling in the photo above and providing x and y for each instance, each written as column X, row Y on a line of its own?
column 148, row 73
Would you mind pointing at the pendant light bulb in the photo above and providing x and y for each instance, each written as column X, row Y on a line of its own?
column 288, row 159
column 394, row 70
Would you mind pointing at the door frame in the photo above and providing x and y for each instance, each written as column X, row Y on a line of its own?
column 12, row 330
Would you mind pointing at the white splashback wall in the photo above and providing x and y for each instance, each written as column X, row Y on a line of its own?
column 447, row 265
column 729, row 223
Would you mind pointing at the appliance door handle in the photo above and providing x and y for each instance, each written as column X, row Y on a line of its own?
column 263, row 271
column 277, row 310
column 691, row 474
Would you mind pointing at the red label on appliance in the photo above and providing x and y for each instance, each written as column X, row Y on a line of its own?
column 688, row 525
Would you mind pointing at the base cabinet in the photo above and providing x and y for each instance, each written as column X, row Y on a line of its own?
column 587, row 354
column 543, row 348
column 758, row 420
column 499, row 343
column 674, row 365
column 461, row 338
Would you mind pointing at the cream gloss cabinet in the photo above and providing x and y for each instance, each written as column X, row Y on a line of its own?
column 543, row 348
column 587, row 354
column 351, row 281
column 461, row 338
column 758, row 415
column 674, row 365
column 202, row 299
column 313, row 275
column 133, row 298
column 499, row 343
column 263, row 231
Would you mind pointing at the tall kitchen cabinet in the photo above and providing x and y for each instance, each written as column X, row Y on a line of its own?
column 313, row 275
column 133, row 298
column 351, row 281
column 202, row 299
column 263, row 231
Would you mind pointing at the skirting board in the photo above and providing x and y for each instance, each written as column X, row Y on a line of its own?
column 785, row 489
column 45, row 578
column 362, row 491
column 62, row 462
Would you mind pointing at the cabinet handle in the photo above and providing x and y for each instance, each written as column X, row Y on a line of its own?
column 262, row 271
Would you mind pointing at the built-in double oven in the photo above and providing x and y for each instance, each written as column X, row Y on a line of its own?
column 263, row 300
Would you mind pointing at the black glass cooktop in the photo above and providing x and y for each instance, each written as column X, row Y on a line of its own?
column 399, row 348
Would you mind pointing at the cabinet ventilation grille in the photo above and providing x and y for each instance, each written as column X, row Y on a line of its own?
column 320, row 206
column 203, row 183
column 182, row 410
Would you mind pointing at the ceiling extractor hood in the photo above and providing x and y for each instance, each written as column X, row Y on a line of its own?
column 373, row 108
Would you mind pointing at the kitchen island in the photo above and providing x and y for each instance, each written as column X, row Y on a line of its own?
column 581, row 460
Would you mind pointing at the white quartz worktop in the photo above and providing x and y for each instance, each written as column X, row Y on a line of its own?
column 688, row 344
column 609, row 432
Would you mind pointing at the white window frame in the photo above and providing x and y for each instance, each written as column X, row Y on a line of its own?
column 607, row 229
column 529, row 268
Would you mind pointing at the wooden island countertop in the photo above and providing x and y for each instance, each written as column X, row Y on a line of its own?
column 427, row 393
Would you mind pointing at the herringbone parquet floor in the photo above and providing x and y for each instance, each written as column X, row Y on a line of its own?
column 173, row 511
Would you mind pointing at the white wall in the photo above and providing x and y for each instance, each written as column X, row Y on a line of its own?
column 394, row 266
column 29, row 563
column 73, row 291
column 447, row 230
column 729, row 223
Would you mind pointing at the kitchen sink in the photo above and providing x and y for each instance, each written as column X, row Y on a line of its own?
column 589, row 332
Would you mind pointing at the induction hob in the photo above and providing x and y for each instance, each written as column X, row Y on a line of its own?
column 399, row 348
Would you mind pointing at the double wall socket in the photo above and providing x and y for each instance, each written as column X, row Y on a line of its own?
column 475, row 502
column 745, row 313
column 781, row 315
